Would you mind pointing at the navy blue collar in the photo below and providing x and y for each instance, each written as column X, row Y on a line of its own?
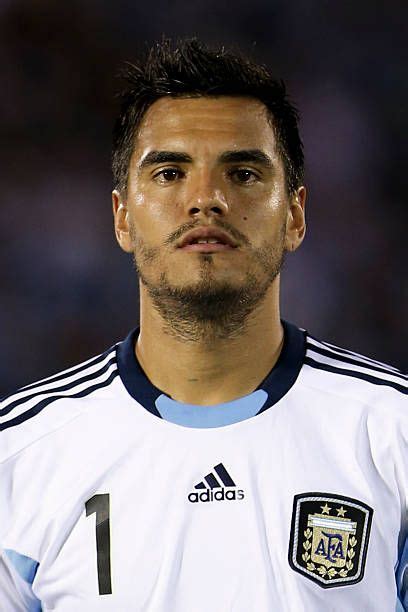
column 278, row 382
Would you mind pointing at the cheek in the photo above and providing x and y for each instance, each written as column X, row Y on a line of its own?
column 150, row 219
column 264, row 224
column 263, row 212
column 275, row 199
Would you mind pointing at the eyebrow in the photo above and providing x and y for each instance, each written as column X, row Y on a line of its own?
column 247, row 155
column 241, row 156
column 164, row 157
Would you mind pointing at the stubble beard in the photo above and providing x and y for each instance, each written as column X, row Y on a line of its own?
column 209, row 310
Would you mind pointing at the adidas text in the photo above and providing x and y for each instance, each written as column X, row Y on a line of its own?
column 221, row 494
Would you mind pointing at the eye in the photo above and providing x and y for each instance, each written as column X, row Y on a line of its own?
column 168, row 175
column 243, row 176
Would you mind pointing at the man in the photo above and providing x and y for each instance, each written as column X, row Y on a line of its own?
column 219, row 458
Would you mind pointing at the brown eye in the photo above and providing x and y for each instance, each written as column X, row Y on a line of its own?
column 243, row 176
column 168, row 175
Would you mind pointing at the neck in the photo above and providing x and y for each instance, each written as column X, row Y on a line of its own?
column 208, row 372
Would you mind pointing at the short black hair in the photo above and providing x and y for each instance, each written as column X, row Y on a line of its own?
column 189, row 68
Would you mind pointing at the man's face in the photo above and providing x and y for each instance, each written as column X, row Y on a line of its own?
column 205, row 163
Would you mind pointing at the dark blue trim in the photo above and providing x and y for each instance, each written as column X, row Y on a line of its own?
column 66, row 387
column 286, row 370
column 401, row 575
column 276, row 384
column 361, row 364
column 354, row 374
column 60, row 375
column 339, row 349
column 45, row 402
column 133, row 377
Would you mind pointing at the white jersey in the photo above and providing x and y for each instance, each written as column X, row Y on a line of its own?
column 115, row 497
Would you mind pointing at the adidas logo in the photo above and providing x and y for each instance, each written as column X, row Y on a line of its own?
column 216, row 486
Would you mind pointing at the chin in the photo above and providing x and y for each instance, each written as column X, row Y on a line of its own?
column 211, row 284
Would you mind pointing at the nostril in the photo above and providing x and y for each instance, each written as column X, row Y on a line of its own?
column 194, row 211
column 216, row 209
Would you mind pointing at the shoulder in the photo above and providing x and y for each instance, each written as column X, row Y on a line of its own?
column 347, row 373
column 54, row 401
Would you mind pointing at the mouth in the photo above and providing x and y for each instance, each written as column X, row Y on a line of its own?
column 207, row 240
column 207, row 247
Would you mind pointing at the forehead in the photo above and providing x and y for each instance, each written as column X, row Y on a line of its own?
column 215, row 123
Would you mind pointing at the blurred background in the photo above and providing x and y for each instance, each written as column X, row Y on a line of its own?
column 68, row 292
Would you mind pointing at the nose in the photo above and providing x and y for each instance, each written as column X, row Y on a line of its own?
column 207, row 198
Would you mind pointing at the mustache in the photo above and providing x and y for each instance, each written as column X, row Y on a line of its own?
column 223, row 225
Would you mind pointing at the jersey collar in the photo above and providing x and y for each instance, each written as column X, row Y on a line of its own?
column 277, row 383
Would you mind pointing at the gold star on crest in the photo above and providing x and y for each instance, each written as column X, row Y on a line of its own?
column 341, row 511
column 325, row 509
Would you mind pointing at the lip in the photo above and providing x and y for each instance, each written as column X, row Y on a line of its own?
column 225, row 242
column 207, row 248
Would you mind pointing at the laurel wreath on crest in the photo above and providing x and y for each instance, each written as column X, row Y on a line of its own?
column 321, row 569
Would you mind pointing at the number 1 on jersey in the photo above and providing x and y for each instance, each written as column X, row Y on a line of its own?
column 100, row 505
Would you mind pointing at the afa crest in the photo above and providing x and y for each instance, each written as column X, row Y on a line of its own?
column 329, row 538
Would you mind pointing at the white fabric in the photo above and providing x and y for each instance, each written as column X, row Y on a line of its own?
column 330, row 433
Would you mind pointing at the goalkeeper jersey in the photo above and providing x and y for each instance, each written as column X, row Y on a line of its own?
column 115, row 497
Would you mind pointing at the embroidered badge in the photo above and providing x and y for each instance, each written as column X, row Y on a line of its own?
column 329, row 538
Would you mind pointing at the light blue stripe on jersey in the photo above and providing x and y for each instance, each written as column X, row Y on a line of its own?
column 26, row 569
column 399, row 607
column 191, row 415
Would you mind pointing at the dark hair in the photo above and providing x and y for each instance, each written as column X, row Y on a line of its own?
column 192, row 69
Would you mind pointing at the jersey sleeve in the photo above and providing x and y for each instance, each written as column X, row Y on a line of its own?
column 401, row 572
column 402, row 579
column 15, row 589
column 17, row 571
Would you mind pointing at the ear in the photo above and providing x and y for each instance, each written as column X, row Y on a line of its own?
column 121, row 222
column 295, row 221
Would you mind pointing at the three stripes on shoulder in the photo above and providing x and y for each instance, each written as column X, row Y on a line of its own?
column 76, row 382
column 325, row 356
